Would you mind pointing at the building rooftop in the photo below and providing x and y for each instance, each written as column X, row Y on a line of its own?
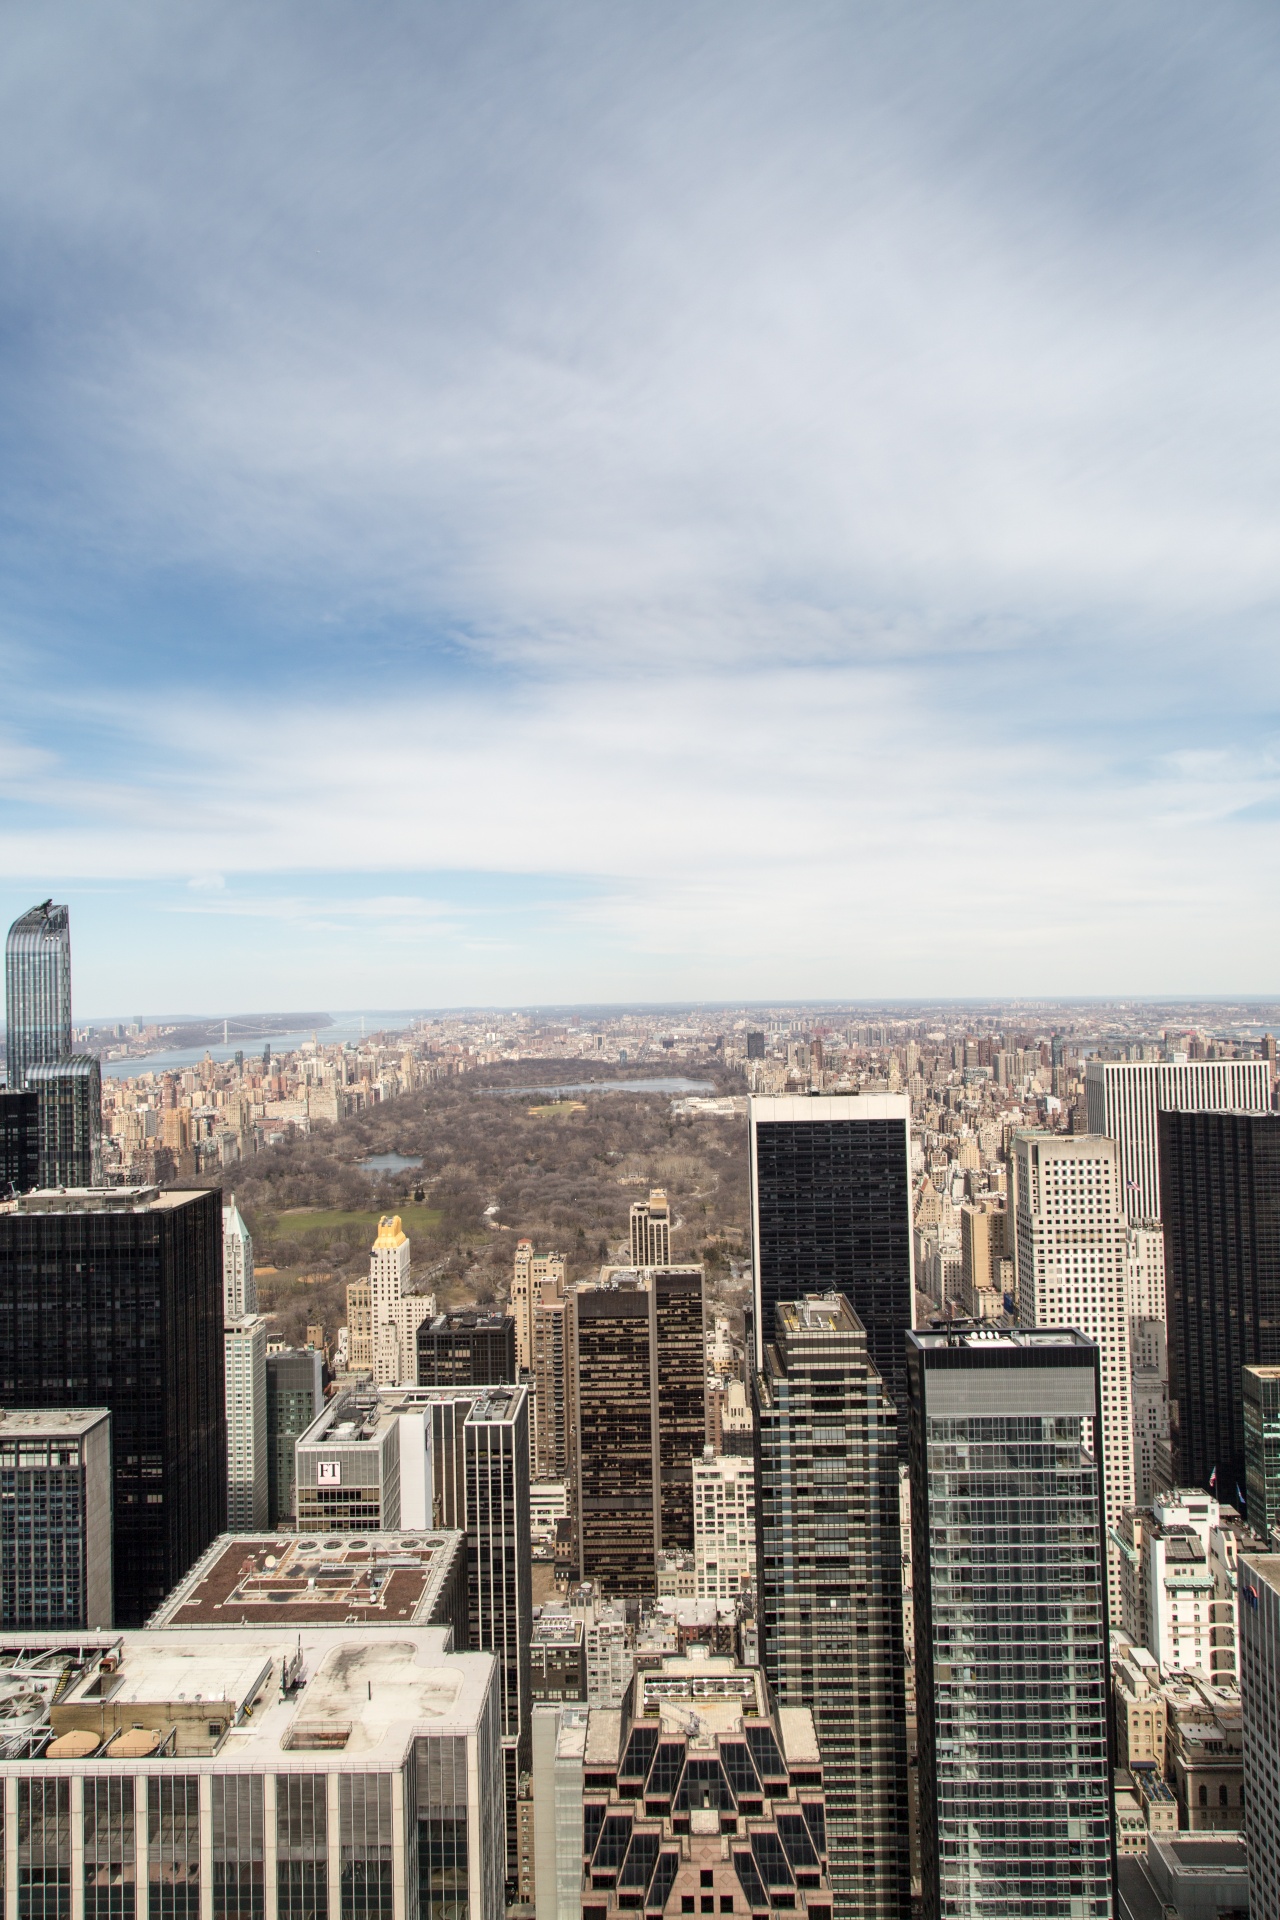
column 99, row 1200
column 365, row 1416
column 50, row 1423
column 332, row 1579
column 936, row 1339
column 254, row 1697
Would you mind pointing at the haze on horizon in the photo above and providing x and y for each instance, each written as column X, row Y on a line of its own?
column 642, row 504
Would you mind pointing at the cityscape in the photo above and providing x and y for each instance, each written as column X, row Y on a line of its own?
column 640, row 1070
column 898, row 1535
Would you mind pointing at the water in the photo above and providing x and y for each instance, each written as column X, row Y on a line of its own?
column 617, row 1086
column 346, row 1026
column 388, row 1163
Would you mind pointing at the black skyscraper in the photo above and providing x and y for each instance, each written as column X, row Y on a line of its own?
column 19, row 1142
column 114, row 1299
column 831, row 1205
column 1220, row 1194
column 467, row 1349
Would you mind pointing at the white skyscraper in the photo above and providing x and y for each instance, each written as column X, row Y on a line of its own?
column 245, row 1346
column 1124, row 1097
column 724, row 1525
column 396, row 1315
column 240, row 1293
column 1069, row 1238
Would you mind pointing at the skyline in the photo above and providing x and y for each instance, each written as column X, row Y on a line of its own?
column 650, row 506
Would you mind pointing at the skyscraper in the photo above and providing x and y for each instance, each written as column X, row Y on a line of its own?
column 37, row 991
column 1220, row 1178
column 240, row 1291
column 1261, row 1392
column 113, row 1298
column 536, row 1276
column 470, row 1348
column 830, row 1596
column 19, row 1142
column 651, row 1231
column 831, row 1212
column 1010, row 1598
column 69, row 1120
column 55, row 1518
column 553, row 1417
column 1124, row 1097
column 395, row 1314
column 295, row 1395
column 639, row 1393
column 245, row 1373
column 1070, row 1240
column 1260, row 1704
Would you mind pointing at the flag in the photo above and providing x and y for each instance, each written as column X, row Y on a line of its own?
column 1213, row 1481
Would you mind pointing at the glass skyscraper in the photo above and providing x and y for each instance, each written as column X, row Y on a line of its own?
column 831, row 1212
column 830, row 1558
column 1010, row 1597
column 69, row 1109
column 37, row 980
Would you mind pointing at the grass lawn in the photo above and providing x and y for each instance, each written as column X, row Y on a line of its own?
column 300, row 1222
column 556, row 1109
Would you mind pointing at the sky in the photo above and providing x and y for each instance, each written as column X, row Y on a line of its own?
column 561, row 502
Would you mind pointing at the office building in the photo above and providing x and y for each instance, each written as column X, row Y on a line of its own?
column 1204, row 1752
column 37, row 991
column 553, row 1416
column 986, row 1270
column 1069, row 1240
column 19, row 1142
column 639, row 1393
column 1260, row 1713
column 295, row 1395
column 1144, row 1273
column 557, row 1658
column 240, row 1290
column 451, row 1457
column 267, row 1579
column 755, row 1046
column 55, row 1519
column 724, row 1525
column 1125, row 1097
column 1220, row 1177
column 831, row 1213
column 1010, row 1600
column 244, row 1344
column 1151, row 1428
column 1178, row 1567
column 651, row 1230
column 830, row 1585
column 360, row 1326
column 260, row 1770
column 112, row 1297
column 68, row 1120
column 559, row 1746
column 534, row 1275
column 1260, row 1388
column 700, row 1797
column 467, row 1349
column 1193, row 1876
column 395, row 1313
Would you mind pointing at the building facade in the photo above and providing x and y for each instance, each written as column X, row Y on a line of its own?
column 639, row 1403
column 1260, row 1714
column 37, row 980
column 1070, row 1241
column 240, row 1290
column 651, row 1230
column 724, row 1525
column 1220, row 1178
column 1011, row 1625
column 245, row 1371
column 68, row 1120
column 55, row 1519
column 829, row 1549
column 534, row 1275
column 831, row 1212
column 395, row 1313
column 1125, row 1097
column 19, row 1142
column 554, row 1456
column 295, row 1395
column 113, row 1298
column 1261, row 1394
column 467, row 1349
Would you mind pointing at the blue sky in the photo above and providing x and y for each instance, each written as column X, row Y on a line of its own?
column 557, row 502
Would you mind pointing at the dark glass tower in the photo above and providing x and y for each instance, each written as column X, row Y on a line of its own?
column 831, row 1213
column 19, row 1142
column 295, row 1395
column 69, row 1104
column 1220, row 1189
column 639, row 1393
column 114, row 1299
column 467, row 1349
column 1010, row 1597
column 37, row 979
column 829, row 1545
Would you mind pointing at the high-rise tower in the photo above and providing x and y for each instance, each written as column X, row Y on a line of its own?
column 830, row 1568
column 1010, row 1597
column 651, row 1230
column 1220, row 1178
column 37, row 980
column 1125, row 1097
column 831, row 1212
